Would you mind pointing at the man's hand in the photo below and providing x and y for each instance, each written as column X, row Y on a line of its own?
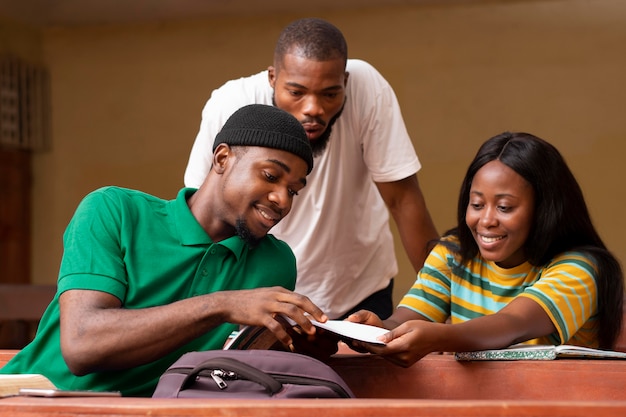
column 98, row 333
column 267, row 306
column 320, row 345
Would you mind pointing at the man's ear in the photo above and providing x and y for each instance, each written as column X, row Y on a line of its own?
column 220, row 157
column 271, row 76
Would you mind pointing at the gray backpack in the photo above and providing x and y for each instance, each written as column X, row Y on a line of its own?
column 250, row 374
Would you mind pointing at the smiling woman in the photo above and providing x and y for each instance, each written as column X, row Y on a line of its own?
column 500, row 213
column 523, row 264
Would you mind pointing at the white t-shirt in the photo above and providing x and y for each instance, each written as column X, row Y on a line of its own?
column 338, row 226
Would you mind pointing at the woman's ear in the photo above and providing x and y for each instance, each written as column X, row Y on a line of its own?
column 220, row 157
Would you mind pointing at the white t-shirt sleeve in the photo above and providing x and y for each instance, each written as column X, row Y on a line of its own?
column 201, row 155
column 223, row 102
column 387, row 148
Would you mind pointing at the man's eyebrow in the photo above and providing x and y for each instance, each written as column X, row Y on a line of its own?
column 286, row 168
column 330, row 88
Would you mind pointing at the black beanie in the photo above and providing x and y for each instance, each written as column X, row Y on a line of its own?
column 268, row 127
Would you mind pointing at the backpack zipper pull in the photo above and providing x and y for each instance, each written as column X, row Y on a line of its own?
column 221, row 384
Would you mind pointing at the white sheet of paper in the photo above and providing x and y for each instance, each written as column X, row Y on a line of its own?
column 356, row 331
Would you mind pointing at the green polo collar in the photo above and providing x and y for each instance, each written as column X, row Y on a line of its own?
column 190, row 233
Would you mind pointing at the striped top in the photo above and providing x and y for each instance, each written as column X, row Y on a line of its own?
column 565, row 288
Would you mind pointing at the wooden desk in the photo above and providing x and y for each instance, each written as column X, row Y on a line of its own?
column 135, row 407
column 435, row 386
column 441, row 377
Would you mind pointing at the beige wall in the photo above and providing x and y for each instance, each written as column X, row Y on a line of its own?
column 127, row 99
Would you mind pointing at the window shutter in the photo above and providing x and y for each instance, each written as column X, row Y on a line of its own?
column 24, row 105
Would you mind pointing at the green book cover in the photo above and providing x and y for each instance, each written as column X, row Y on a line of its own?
column 538, row 353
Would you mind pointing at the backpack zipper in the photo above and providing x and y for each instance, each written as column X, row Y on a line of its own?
column 220, row 376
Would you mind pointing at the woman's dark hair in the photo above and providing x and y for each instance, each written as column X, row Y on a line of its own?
column 312, row 38
column 561, row 219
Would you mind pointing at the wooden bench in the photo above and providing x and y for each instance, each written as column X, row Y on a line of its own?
column 21, row 307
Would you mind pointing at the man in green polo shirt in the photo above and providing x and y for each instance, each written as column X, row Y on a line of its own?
column 144, row 280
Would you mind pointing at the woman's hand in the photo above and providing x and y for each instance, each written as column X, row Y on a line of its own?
column 521, row 320
column 365, row 317
column 407, row 343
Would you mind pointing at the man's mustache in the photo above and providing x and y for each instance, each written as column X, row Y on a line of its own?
column 313, row 120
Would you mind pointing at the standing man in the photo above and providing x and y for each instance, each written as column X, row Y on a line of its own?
column 145, row 280
column 365, row 167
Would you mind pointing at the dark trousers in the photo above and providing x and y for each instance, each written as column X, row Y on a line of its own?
column 380, row 303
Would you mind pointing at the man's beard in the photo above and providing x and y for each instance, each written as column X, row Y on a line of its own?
column 245, row 234
column 319, row 145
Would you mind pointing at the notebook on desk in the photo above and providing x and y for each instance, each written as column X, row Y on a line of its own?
column 538, row 352
column 11, row 384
